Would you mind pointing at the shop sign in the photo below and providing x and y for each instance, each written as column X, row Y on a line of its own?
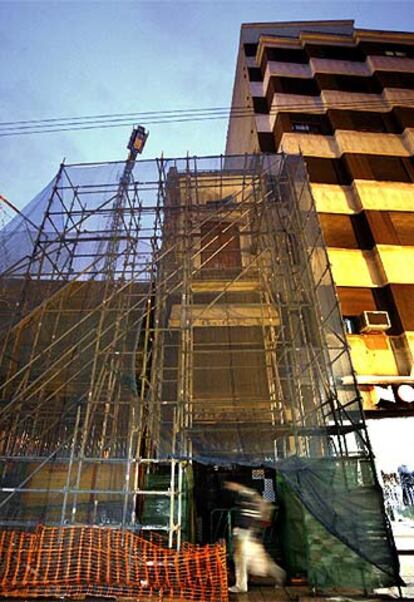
column 394, row 393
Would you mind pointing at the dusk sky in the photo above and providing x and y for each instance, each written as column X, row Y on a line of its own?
column 67, row 58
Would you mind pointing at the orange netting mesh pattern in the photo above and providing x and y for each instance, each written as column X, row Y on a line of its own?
column 59, row 561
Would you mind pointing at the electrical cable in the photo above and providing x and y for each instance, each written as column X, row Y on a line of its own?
column 67, row 124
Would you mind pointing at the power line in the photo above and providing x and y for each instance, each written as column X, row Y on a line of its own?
column 171, row 113
column 67, row 124
column 111, row 115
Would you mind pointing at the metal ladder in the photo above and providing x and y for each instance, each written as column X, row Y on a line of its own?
column 174, row 493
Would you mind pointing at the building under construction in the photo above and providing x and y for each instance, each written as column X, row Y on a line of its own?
column 166, row 324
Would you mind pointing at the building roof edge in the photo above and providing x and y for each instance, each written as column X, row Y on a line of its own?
column 326, row 22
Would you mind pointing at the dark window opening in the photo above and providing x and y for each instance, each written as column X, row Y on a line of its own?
column 363, row 232
column 364, row 167
column 354, row 300
column 327, row 171
column 338, row 231
column 310, row 124
column 303, row 128
column 267, row 142
column 339, row 53
column 364, row 121
column 392, row 227
column 404, row 116
column 377, row 167
column 392, row 168
column 255, row 74
column 220, row 243
column 384, row 300
column 225, row 203
column 395, row 79
column 403, row 296
column 250, row 49
column 286, row 55
column 348, row 83
column 295, row 85
column 351, row 324
column 382, row 49
column 368, row 122
column 260, row 104
column 399, row 53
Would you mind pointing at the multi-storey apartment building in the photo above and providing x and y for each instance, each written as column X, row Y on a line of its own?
column 169, row 325
column 344, row 98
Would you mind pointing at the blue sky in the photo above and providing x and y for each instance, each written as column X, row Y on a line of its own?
column 69, row 58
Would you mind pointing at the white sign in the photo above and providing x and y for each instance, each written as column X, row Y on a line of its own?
column 394, row 393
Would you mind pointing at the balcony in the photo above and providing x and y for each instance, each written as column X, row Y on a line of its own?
column 339, row 67
column 333, row 198
column 384, row 196
column 372, row 354
column 390, row 63
column 313, row 145
column 397, row 263
column 350, row 141
column 354, row 267
column 347, row 141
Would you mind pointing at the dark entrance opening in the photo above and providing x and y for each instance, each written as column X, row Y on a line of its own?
column 215, row 506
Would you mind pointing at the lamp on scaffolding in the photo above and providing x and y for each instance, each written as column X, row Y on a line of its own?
column 137, row 141
column 135, row 146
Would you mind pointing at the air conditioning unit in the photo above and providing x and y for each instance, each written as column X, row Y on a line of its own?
column 374, row 321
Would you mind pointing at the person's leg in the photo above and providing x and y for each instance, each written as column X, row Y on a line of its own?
column 240, row 561
column 276, row 571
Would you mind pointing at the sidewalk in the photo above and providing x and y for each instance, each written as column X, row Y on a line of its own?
column 303, row 594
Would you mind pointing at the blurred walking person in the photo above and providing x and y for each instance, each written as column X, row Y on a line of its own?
column 250, row 556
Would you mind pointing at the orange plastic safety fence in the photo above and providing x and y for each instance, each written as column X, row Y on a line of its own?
column 97, row 561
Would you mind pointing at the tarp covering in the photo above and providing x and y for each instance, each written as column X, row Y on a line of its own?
column 343, row 496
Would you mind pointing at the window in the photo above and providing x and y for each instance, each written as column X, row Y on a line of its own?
column 395, row 79
column 250, row 49
column 220, row 244
column 385, row 301
column 348, row 83
column 286, row 55
column 354, row 300
column 339, row 53
column 225, row 203
column 391, row 169
column 295, row 85
column 403, row 225
column 305, row 123
column 255, row 74
column 399, row 53
column 367, row 122
column 364, row 121
column 351, row 324
column 267, row 142
column 303, row 128
column 327, row 171
column 377, row 167
column 260, row 105
column 338, row 230
column 403, row 295
column 380, row 49
column 404, row 117
column 362, row 230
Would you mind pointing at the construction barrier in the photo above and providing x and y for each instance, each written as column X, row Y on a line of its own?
column 98, row 561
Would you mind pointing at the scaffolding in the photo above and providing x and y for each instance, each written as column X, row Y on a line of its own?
column 168, row 312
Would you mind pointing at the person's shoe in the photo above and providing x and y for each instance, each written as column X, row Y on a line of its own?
column 235, row 589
